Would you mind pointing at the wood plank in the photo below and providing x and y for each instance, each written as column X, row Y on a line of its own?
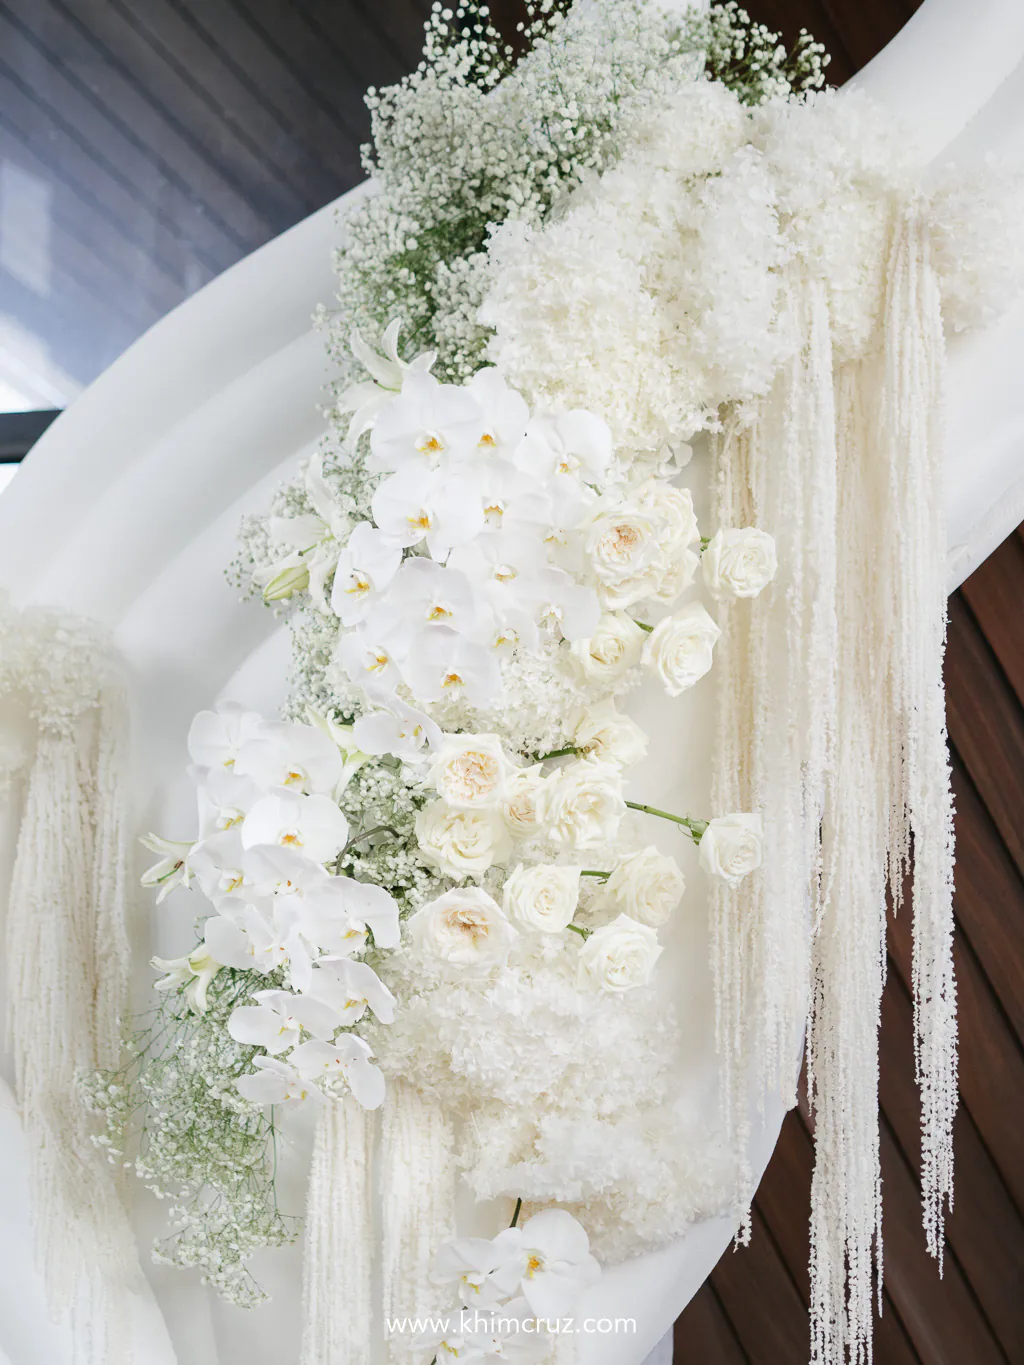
column 762, row 1302
column 106, row 149
column 272, row 115
column 994, row 593
column 986, row 725
column 941, row 1316
column 989, row 897
column 991, row 1062
column 984, row 1230
column 703, row 1334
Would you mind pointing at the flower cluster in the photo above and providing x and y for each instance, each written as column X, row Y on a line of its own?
column 270, row 823
column 520, row 1285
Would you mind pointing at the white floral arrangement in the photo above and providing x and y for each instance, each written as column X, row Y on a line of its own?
column 428, row 873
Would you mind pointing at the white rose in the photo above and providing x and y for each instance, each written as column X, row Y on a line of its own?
column 461, row 843
column 463, row 928
column 608, row 737
column 470, row 771
column 614, row 647
column 619, row 956
column 519, row 808
column 739, row 562
column 581, row 806
column 647, row 885
column 679, row 648
column 625, row 555
column 543, row 898
column 674, row 508
column 732, row 846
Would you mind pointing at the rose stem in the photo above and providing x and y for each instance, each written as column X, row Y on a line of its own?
column 643, row 625
column 559, row 753
column 695, row 828
column 591, row 872
column 579, row 929
column 515, row 1216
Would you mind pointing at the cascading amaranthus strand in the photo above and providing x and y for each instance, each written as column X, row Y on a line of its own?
column 835, row 682
column 67, row 958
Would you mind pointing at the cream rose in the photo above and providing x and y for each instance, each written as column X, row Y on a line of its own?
column 679, row 648
column 732, row 846
column 543, row 898
column 614, row 648
column 461, row 843
column 581, row 806
column 464, row 928
column 625, row 555
column 647, row 885
column 608, row 737
column 519, row 808
column 470, row 771
column 619, row 956
column 674, row 508
column 739, row 562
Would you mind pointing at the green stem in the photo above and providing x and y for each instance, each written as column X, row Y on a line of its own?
column 558, row 753
column 515, row 1216
column 643, row 625
column 358, row 838
column 591, row 872
column 695, row 828
column 705, row 541
column 579, row 929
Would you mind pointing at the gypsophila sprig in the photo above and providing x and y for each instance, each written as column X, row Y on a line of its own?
column 172, row 1114
column 752, row 61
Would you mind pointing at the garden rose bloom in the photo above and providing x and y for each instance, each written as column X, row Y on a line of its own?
column 470, row 771
column 619, row 956
column 581, row 806
column 460, row 843
column 543, row 897
column 732, row 846
column 647, row 885
column 463, row 928
column 614, row 648
column 739, row 562
column 679, row 648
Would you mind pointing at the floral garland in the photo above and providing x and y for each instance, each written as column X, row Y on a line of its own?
column 428, row 878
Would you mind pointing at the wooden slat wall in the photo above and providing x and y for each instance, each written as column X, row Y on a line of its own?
column 176, row 136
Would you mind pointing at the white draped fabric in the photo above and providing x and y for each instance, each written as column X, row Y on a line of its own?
column 127, row 511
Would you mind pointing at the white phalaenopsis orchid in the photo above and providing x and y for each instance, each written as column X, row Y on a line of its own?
column 173, row 867
column 547, row 1261
column 275, row 1082
column 278, row 1020
column 350, row 988
column 298, row 757
column 366, row 566
column 311, row 543
column 505, row 413
column 417, row 506
column 387, row 370
column 215, row 737
column 195, row 971
column 427, row 425
column 342, row 1065
column 403, row 731
column 312, row 824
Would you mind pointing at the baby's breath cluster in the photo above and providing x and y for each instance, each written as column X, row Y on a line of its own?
column 752, row 61
column 173, row 1114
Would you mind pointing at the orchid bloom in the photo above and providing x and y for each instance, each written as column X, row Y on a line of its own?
column 428, row 424
column 366, row 566
column 300, row 757
column 350, row 988
column 312, row 824
column 388, row 372
column 215, row 737
column 403, row 731
column 278, row 1021
column 551, row 1254
column 173, row 868
column 195, row 971
column 275, row 1082
column 311, row 543
column 346, row 1059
